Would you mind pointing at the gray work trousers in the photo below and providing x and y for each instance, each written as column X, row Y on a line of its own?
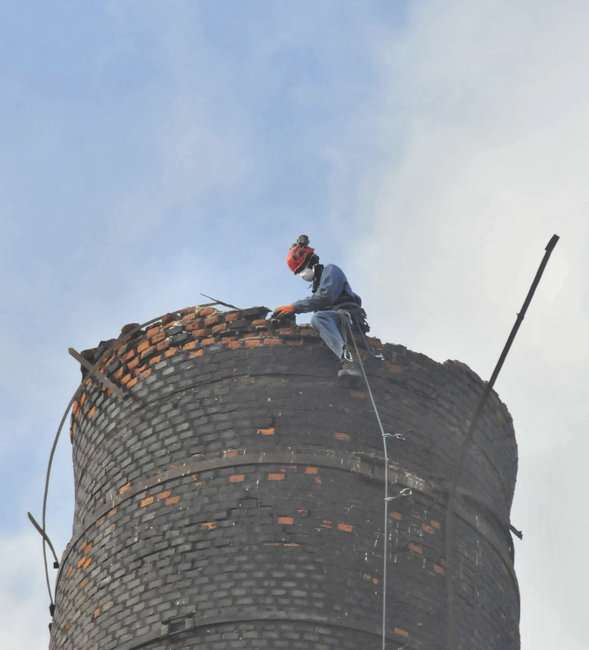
column 329, row 326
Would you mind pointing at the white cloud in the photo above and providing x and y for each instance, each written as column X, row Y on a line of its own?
column 488, row 157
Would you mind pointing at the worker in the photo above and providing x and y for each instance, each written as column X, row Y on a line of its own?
column 331, row 301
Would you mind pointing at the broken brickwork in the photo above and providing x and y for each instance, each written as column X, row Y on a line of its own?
column 234, row 498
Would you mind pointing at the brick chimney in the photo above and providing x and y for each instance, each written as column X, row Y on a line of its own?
column 234, row 497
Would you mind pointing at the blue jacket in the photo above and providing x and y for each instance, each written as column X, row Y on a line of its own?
column 333, row 292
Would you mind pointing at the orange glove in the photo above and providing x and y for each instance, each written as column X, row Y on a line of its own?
column 287, row 310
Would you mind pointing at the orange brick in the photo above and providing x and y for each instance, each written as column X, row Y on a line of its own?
column 427, row 529
column 195, row 325
column 164, row 495
column 416, row 548
column 196, row 353
column 132, row 382
column 396, row 515
column 190, row 346
column 252, row 343
column 91, row 412
column 87, row 563
column 128, row 355
column 118, row 374
column 133, row 363
column 153, row 331
column 155, row 359
column 210, row 525
column 142, row 346
column 234, row 344
column 236, row 478
column 435, row 524
column 147, row 352
column 287, row 521
column 358, row 394
column 208, row 341
column 272, row 341
column 205, row 311
column 82, row 399
column 401, row 632
column 171, row 322
column 147, row 501
column 97, row 612
column 76, row 408
column 266, row 432
column 163, row 345
column 213, row 319
column 200, row 333
column 160, row 336
column 311, row 470
column 137, row 371
column 347, row 528
column 233, row 315
column 69, row 571
column 171, row 352
column 276, row 477
column 217, row 329
column 439, row 569
column 342, row 436
column 172, row 500
column 145, row 374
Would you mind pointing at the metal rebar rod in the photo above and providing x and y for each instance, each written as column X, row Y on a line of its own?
column 451, row 605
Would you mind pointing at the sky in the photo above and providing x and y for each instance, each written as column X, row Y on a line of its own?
column 152, row 151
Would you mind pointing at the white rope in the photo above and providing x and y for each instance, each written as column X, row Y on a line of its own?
column 386, row 486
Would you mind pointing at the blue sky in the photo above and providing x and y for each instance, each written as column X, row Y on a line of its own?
column 155, row 150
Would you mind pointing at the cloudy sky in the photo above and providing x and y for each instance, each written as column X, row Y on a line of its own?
column 152, row 150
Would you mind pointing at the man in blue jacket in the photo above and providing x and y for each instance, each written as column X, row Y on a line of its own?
column 331, row 293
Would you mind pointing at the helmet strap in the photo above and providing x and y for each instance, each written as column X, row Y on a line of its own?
column 317, row 277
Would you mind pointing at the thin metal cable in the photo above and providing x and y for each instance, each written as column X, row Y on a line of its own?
column 47, row 475
column 386, row 485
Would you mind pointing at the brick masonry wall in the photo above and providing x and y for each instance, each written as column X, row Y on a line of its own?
column 234, row 497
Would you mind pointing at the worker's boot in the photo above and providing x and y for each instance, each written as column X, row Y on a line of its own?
column 349, row 369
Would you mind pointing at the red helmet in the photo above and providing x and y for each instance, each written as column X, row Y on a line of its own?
column 298, row 254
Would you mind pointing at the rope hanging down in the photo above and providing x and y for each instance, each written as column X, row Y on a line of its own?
column 384, row 436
